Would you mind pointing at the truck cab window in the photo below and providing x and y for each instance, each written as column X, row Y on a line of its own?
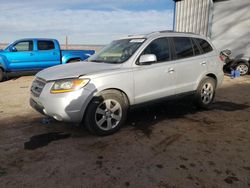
column 24, row 46
column 45, row 45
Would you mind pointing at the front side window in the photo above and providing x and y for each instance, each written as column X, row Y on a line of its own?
column 118, row 51
column 24, row 46
column 183, row 47
column 160, row 48
column 45, row 45
column 205, row 46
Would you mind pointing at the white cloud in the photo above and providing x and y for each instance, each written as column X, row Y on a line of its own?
column 81, row 25
column 65, row 3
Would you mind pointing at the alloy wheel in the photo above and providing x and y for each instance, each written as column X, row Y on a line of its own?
column 243, row 68
column 108, row 114
column 207, row 93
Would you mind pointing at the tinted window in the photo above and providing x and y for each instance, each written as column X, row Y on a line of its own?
column 205, row 46
column 45, row 45
column 159, row 47
column 183, row 47
column 24, row 46
column 196, row 48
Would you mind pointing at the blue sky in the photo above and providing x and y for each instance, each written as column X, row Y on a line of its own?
column 83, row 21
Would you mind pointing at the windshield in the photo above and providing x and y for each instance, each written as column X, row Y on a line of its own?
column 118, row 51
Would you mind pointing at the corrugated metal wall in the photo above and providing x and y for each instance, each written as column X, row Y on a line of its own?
column 193, row 16
column 231, row 26
column 226, row 22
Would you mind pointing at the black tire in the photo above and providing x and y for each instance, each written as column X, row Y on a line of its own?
column 1, row 75
column 106, row 113
column 74, row 60
column 205, row 92
column 243, row 68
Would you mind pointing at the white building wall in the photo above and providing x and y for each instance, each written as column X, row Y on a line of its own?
column 231, row 26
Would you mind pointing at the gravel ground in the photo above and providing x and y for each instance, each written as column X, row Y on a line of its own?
column 168, row 145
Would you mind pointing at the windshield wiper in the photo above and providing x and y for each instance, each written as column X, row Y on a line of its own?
column 95, row 60
column 102, row 61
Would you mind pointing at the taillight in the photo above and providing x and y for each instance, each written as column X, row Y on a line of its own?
column 222, row 58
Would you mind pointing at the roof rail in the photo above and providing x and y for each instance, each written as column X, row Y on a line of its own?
column 166, row 31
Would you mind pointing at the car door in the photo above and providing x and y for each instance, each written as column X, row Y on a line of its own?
column 21, row 55
column 190, row 64
column 47, row 53
column 156, row 80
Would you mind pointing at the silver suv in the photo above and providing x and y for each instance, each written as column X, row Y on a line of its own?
column 125, row 73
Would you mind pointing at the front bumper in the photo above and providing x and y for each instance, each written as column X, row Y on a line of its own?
column 68, row 107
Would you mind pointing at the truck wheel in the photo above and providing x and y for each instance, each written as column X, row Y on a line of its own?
column 243, row 68
column 106, row 113
column 205, row 92
column 1, row 75
column 74, row 60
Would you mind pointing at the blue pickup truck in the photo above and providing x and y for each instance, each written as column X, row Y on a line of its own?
column 35, row 54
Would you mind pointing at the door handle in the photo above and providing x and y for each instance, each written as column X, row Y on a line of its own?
column 31, row 54
column 203, row 63
column 170, row 70
column 54, row 53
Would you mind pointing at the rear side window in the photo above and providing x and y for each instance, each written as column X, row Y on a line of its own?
column 205, row 46
column 24, row 46
column 183, row 47
column 160, row 48
column 45, row 45
column 196, row 48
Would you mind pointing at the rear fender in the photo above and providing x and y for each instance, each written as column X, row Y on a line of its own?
column 77, row 54
column 209, row 74
column 67, row 58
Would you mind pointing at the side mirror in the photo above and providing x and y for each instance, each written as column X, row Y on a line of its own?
column 147, row 59
column 13, row 49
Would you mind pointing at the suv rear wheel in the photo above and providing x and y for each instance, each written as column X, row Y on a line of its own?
column 205, row 92
column 106, row 113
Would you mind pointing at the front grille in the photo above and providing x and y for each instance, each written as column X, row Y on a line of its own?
column 37, row 86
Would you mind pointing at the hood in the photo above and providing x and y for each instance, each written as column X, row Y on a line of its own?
column 73, row 70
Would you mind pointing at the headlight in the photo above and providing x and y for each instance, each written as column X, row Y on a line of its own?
column 63, row 86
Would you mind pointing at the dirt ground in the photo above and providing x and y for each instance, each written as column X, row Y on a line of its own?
column 167, row 145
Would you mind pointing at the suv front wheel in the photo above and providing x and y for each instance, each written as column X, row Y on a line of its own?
column 106, row 113
column 205, row 92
